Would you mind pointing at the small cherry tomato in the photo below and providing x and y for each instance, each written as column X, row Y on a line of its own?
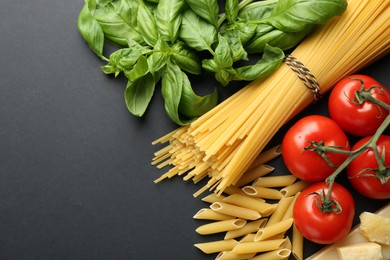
column 364, row 173
column 319, row 226
column 354, row 115
column 307, row 164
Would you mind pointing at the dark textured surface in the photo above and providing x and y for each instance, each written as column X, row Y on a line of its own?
column 75, row 174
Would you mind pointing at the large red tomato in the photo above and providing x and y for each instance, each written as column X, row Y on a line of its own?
column 362, row 170
column 323, row 227
column 307, row 164
column 354, row 118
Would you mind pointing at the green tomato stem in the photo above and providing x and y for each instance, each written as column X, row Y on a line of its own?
column 353, row 154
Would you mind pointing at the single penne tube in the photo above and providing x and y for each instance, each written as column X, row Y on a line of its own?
column 217, row 246
column 280, row 210
column 277, row 254
column 273, row 230
column 220, row 226
column 209, row 214
column 266, row 156
column 248, row 238
column 234, row 190
column 294, row 188
column 250, row 227
column 261, row 192
column 275, row 181
column 235, row 211
column 212, row 197
column 258, row 246
column 248, row 202
column 288, row 244
column 297, row 243
column 254, row 174
column 289, row 211
column 229, row 255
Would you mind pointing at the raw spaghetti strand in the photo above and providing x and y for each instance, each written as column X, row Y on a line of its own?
column 223, row 143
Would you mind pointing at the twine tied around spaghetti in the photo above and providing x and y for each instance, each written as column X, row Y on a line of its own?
column 305, row 75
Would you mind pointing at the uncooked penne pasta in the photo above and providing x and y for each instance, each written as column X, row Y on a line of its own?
column 292, row 189
column 217, row 246
column 248, row 238
column 220, row 226
column 261, row 192
column 209, row 214
column 280, row 210
column 250, row 227
column 254, row 174
column 211, row 198
column 297, row 243
column 229, row 255
column 289, row 211
column 283, row 253
column 273, row 230
column 234, row 190
column 248, row 202
column 275, row 181
column 266, row 156
column 235, row 211
column 258, row 246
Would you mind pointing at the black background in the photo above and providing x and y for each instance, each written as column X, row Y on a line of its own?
column 75, row 174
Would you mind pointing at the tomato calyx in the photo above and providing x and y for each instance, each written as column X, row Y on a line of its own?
column 325, row 204
column 382, row 175
column 364, row 95
column 382, row 172
column 321, row 149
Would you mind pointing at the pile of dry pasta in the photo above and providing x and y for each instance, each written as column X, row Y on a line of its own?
column 255, row 215
column 223, row 143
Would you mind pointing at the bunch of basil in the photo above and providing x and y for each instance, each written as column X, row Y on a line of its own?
column 161, row 41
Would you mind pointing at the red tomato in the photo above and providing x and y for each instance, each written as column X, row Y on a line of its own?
column 369, row 185
column 323, row 227
column 306, row 164
column 358, row 120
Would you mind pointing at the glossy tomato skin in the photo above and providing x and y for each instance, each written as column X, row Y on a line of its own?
column 357, row 120
column 320, row 227
column 309, row 165
column 370, row 186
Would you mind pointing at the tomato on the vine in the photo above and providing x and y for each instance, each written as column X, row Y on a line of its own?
column 305, row 163
column 354, row 115
column 324, row 227
column 364, row 173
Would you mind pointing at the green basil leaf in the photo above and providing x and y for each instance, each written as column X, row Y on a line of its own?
column 139, row 93
column 231, row 10
column 171, row 89
column 115, row 27
column 294, row 15
column 139, row 70
column 168, row 17
column 246, row 30
column 257, row 10
column 225, row 75
column 185, row 58
column 207, row 9
column 277, row 38
column 91, row 31
column 122, row 60
column 191, row 105
column 156, row 61
column 197, row 33
column 236, row 47
column 147, row 24
column 223, row 55
column 270, row 61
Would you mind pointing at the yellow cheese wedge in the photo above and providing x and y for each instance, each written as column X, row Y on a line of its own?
column 375, row 228
column 361, row 251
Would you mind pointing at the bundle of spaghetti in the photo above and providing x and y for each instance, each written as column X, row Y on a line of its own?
column 223, row 143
